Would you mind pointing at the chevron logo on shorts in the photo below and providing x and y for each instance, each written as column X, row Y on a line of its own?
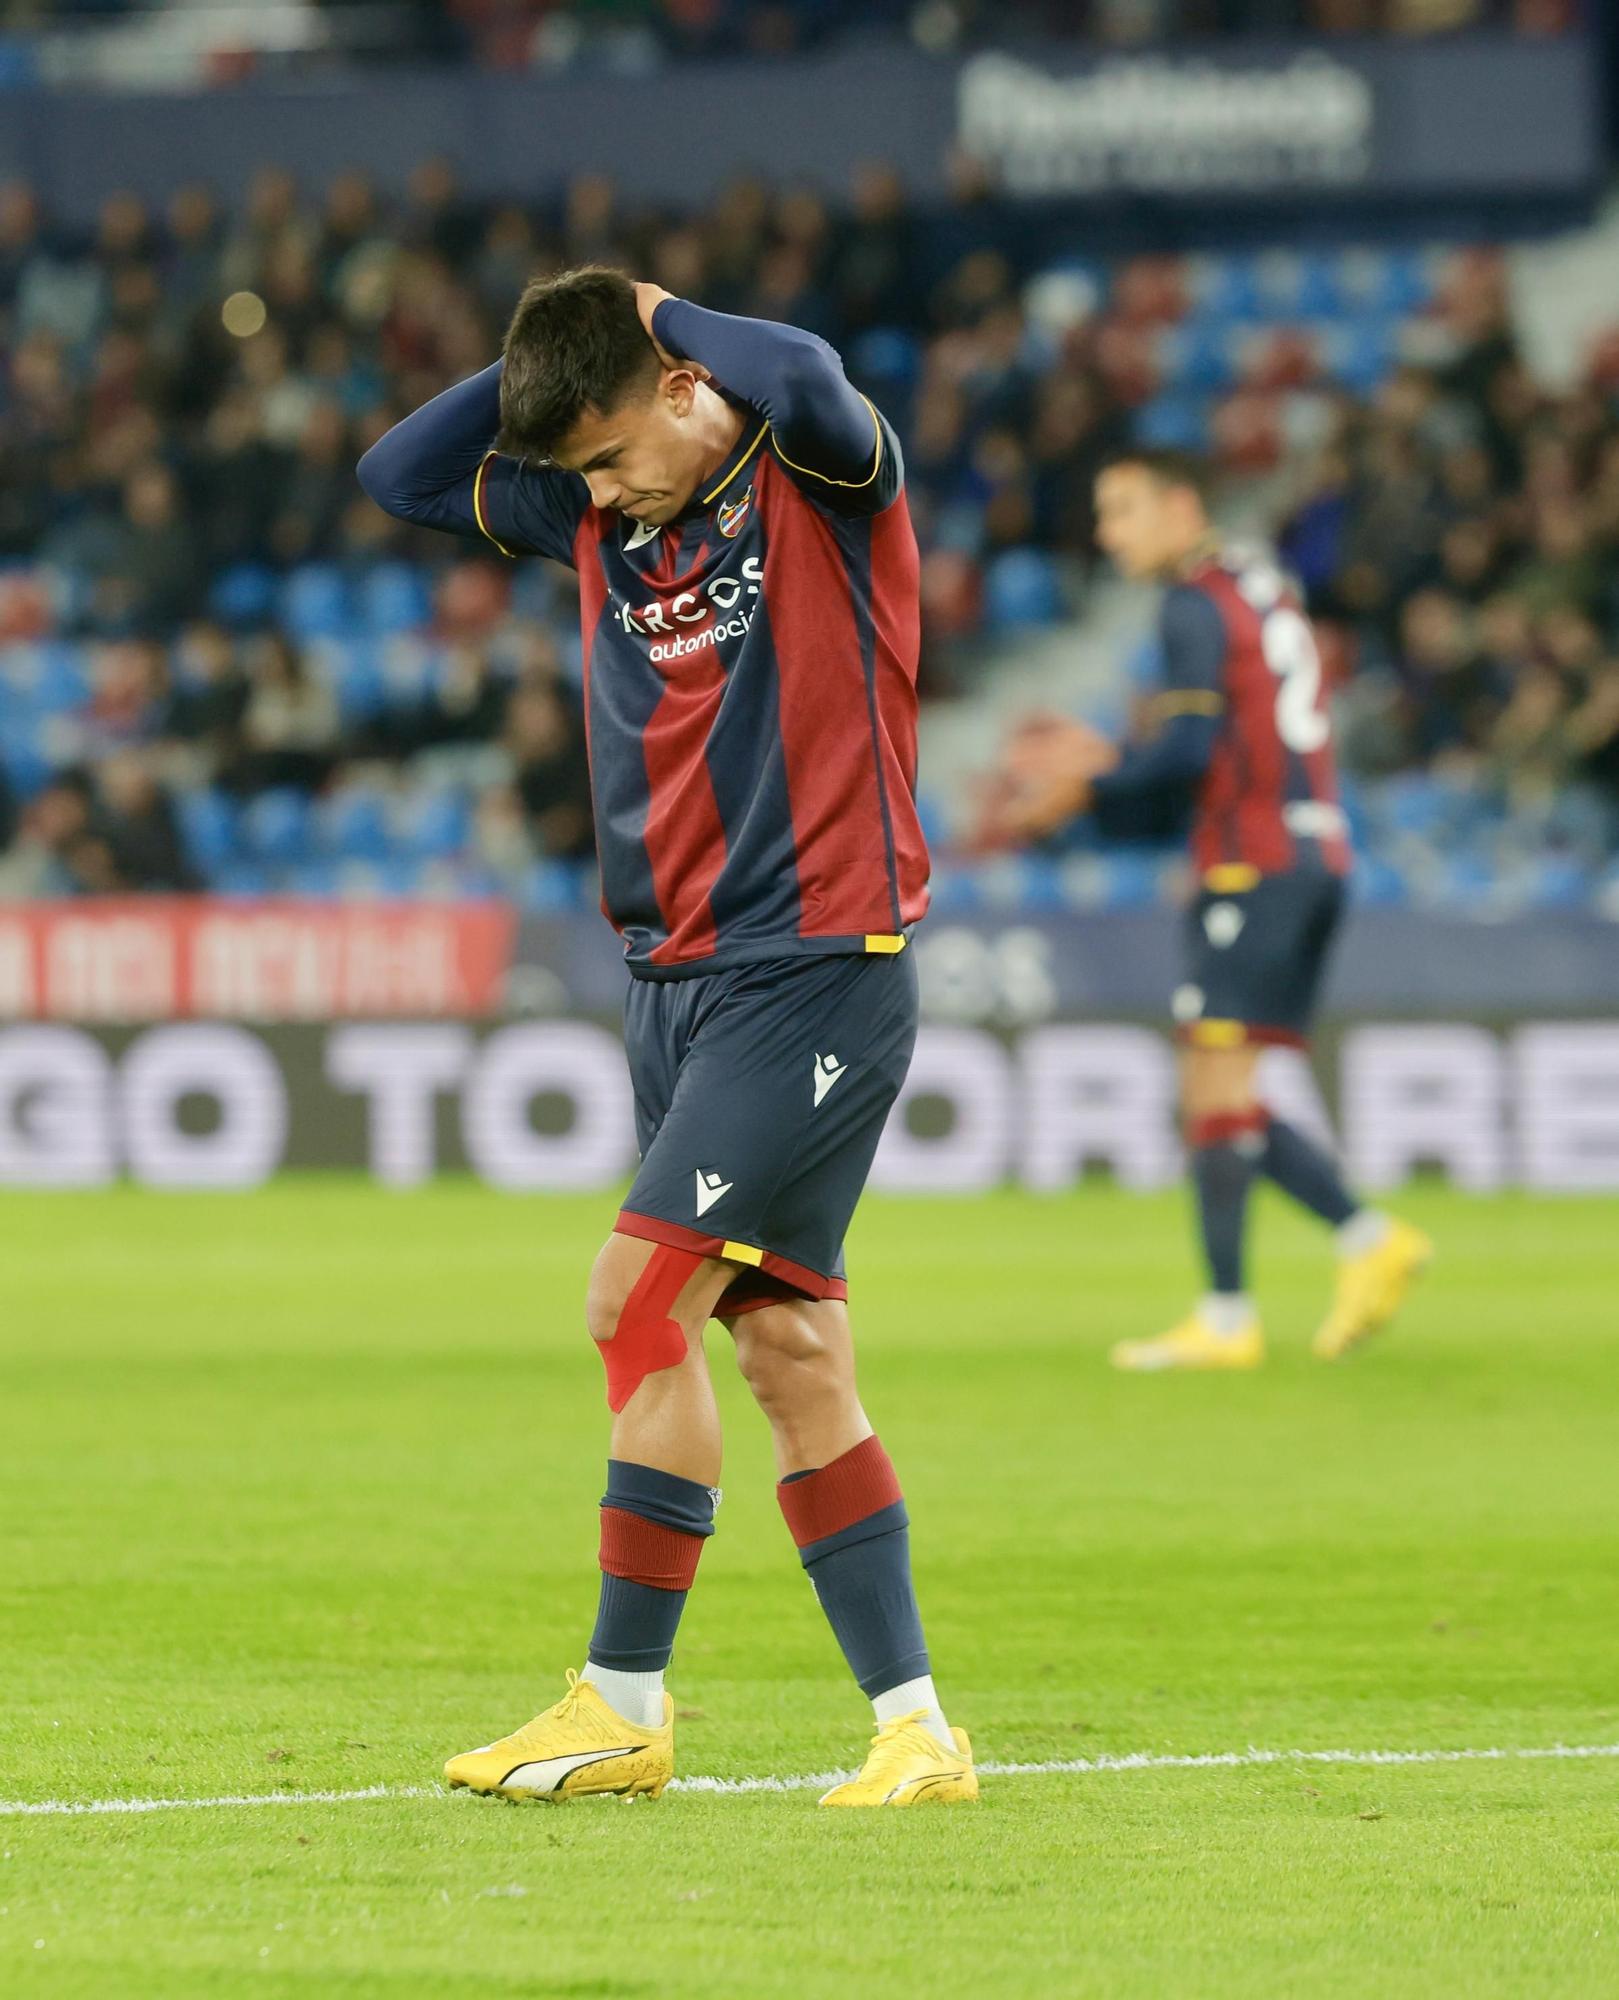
column 709, row 1189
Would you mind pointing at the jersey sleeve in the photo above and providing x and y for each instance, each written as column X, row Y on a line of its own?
column 1193, row 637
column 439, row 469
column 524, row 509
column 828, row 437
column 1152, row 779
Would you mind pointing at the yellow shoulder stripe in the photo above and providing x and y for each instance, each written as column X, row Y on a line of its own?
column 735, row 469
column 1188, row 701
column 853, row 484
column 477, row 504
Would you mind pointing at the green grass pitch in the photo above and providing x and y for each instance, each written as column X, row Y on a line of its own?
column 297, row 1492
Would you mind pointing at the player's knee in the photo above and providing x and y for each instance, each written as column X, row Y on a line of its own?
column 631, row 1310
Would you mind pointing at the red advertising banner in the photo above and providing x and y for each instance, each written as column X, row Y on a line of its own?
column 174, row 958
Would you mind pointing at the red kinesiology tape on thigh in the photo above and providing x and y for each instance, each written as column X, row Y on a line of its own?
column 646, row 1338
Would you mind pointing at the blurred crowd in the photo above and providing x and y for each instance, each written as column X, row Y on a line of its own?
column 196, row 601
column 1460, row 530
column 517, row 34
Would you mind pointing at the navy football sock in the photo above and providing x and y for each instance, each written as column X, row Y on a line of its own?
column 849, row 1521
column 1225, row 1153
column 1307, row 1173
column 653, row 1526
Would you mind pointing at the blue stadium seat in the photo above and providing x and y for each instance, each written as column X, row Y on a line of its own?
column 1360, row 353
column 62, row 682
column 275, row 827
column 1130, row 879
column 550, row 887
column 314, row 602
column 26, row 754
column 1468, row 880
column 1561, row 882
column 208, row 827
column 1178, row 422
column 357, row 678
column 1196, row 355
column 1021, row 589
column 1377, row 883
column 409, row 667
column 243, row 596
column 1320, row 288
column 395, row 597
column 352, row 825
column 242, row 878
column 934, row 818
column 319, row 879
column 432, row 825
column 886, row 355
column 953, row 891
column 1413, row 803
column 1230, row 289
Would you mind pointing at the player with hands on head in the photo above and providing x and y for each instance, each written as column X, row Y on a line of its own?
column 748, row 587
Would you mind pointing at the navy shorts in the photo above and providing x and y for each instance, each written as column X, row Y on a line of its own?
column 760, row 1095
column 1255, row 949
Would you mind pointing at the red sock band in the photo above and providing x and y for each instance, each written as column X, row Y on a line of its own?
column 1227, row 1125
column 647, row 1552
column 646, row 1338
column 861, row 1482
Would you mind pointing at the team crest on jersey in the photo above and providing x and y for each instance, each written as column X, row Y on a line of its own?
column 732, row 514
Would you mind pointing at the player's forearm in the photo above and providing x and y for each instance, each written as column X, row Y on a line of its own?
column 1173, row 761
column 422, row 469
column 820, row 420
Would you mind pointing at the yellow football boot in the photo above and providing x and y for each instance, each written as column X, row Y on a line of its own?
column 1371, row 1288
column 1195, row 1343
column 907, row 1765
column 580, row 1747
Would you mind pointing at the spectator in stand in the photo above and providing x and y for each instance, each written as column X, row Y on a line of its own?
column 290, row 728
column 36, row 864
column 137, row 820
column 200, row 725
column 545, row 739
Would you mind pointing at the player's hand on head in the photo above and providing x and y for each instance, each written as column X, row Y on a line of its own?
column 648, row 298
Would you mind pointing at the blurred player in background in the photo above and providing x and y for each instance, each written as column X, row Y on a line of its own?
column 748, row 582
column 1243, row 732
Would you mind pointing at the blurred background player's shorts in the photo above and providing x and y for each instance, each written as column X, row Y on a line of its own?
column 1255, row 951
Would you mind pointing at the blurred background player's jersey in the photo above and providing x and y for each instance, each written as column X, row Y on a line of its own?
column 750, row 689
column 1238, row 646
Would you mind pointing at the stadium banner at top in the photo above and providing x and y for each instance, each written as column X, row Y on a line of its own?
column 1466, row 117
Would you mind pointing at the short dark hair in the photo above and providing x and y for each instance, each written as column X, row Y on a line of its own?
column 576, row 343
column 1167, row 466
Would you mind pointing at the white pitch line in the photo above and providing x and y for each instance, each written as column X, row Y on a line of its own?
column 1137, row 1760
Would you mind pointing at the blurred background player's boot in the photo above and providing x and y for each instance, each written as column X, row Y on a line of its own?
column 579, row 1747
column 1200, row 1341
column 1372, row 1284
column 907, row 1765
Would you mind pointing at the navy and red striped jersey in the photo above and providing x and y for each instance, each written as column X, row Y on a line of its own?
column 1245, row 721
column 750, row 697
column 750, row 687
